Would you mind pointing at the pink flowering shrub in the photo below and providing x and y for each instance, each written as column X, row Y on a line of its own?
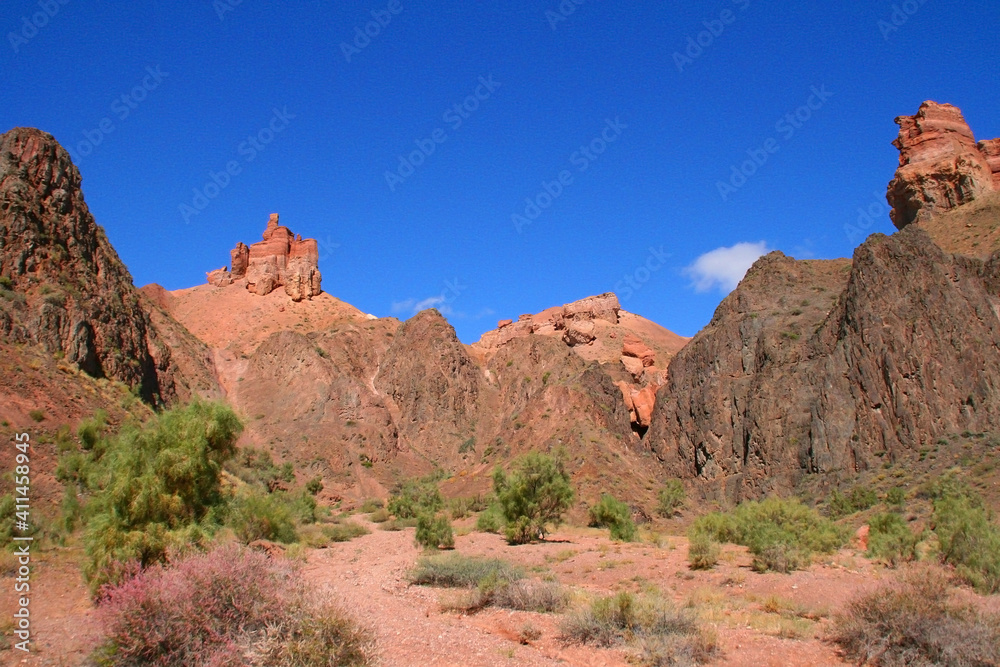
column 228, row 607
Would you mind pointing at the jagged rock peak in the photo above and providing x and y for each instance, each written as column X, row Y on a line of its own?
column 940, row 164
column 281, row 259
column 65, row 287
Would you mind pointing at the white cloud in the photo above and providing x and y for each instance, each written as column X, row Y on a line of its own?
column 413, row 306
column 723, row 268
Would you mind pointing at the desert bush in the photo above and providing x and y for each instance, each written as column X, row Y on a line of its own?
column 434, row 532
column 890, row 539
column 616, row 516
column 671, row 498
column 314, row 485
column 371, row 505
column 895, row 496
column 524, row 595
column 231, row 606
column 381, row 515
column 664, row 634
column 490, row 520
column 257, row 515
column 458, row 571
column 911, row 621
column 254, row 466
column 780, row 533
column 344, row 531
column 969, row 538
column 414, row 497
column 154, row 486
column 703, row 551
column 860, row 498
column 535, row 494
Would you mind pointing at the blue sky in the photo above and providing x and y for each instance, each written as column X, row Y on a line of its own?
column 492, row 158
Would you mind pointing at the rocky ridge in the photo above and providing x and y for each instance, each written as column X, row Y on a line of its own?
column 63, row 285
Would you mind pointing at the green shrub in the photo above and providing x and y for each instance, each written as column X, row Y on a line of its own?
column 155, row 485
column 890, row 539
column 911, row 621
column 314, row 485
column 703, row 551
column 37, row 415
column 434, row 532
column 535, row 494
column 370, row 505
column 615, row 515
column 490, row 520
column 860, row 498
column 969, row 538
column 896, row 496
column 671, row 498
column 380, row 515
column 415, row 497
column 258, row 515
column 780, row 533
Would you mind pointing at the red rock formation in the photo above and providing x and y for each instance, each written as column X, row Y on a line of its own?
column 991, row 149
column 940, row 164
column 280, row 259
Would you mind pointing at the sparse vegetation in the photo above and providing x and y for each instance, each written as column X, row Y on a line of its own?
column 616, row 516
column 534, row 495
column 490, row 583
column 913, row 622
column 37, row 415
column 780, row 533
column 344, row 531
column 703, row 551
column 671, row 498
column 211, row 608
column 663, row 634
column 859, row 499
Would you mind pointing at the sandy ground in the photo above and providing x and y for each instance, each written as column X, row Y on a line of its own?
column 768, row 619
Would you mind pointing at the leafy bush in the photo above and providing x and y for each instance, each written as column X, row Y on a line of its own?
column 490, row 520
column 780, row 533
column 434, row 532
column 155, row 485
column 37, row 415
column 911, row 621
column 890, row 539
column 969, row 538
column 381, row 515
column 703, row 551
column 231, row 606
column 314, row 485
column 258, row 515
column 534, row 495
column 615, row 515
column 665, row 635
column 860, row 498
column 415, row 497
column 671, row 498
column 895, row 496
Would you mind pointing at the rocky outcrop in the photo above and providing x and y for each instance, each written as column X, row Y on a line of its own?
column 940, row 164
column 281, row 259
column 64, row 286
column 817, row 367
